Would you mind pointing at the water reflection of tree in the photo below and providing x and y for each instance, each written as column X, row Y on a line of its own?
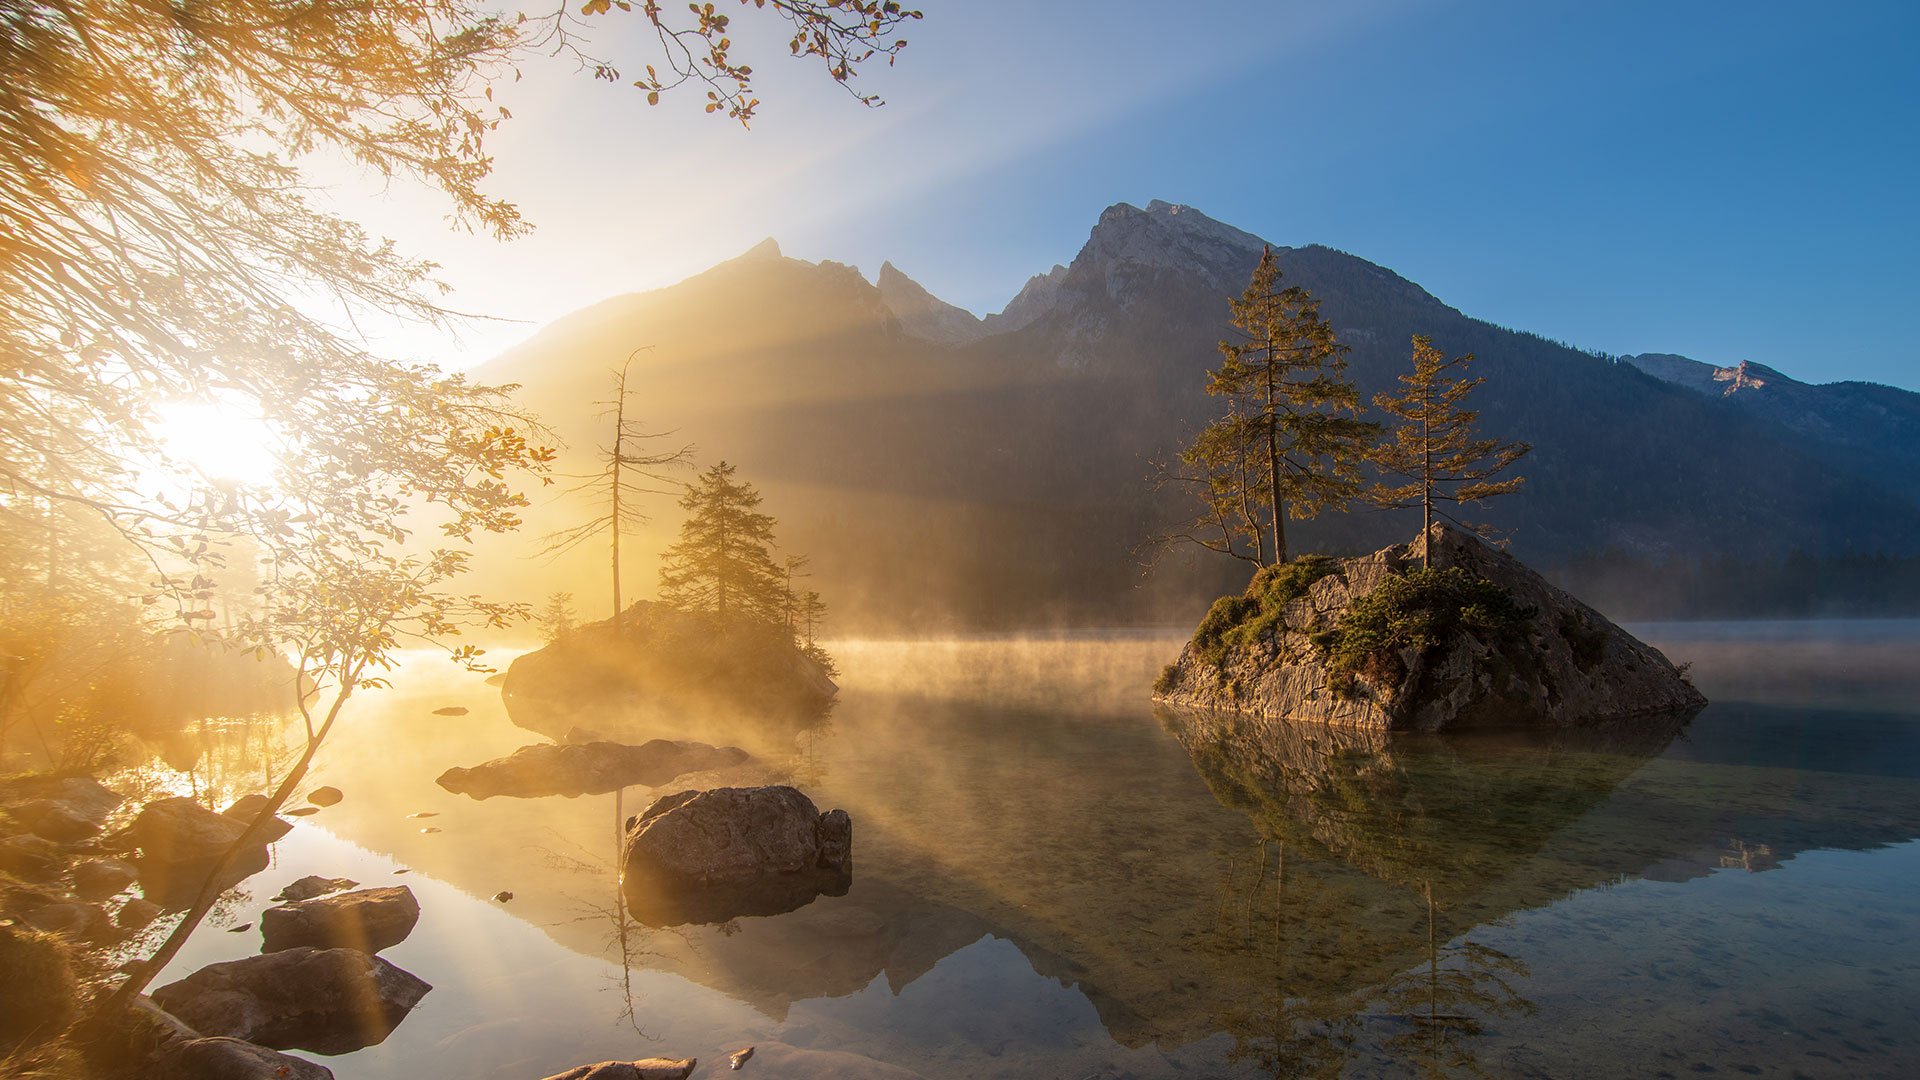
column 1444, row 1004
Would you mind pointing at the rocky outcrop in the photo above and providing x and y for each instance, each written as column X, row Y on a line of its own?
column 368, row 920
column 330, row 1001
column 922, row 314
column 1564, row 664
column 659, row 664
column 708, row 856
column 644, row 1069
column 593, row 768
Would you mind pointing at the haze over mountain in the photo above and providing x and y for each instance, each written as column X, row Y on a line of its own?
column 944, row 470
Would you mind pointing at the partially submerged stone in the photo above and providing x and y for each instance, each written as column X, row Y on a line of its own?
column 248, row 807
column 593, row 768
column 1564, row 665
column 222, row 1058
column 708, row 856
column 180, row 843
column 644, row 1069
column 330, row 1001
column 313, row 885
column 368, row 920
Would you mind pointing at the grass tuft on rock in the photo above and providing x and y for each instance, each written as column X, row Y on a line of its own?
column 1236, row 622
column 37, row 989
column 1419, row 609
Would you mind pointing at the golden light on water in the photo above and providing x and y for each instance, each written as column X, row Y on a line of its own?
column 219, row 442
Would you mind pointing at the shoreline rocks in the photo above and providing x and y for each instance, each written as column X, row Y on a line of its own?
column 329, row 1001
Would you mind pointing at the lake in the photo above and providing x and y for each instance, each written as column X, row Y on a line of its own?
column 1054, row 879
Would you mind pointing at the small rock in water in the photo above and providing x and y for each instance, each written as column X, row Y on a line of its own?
column 314, row 885
column 303, row 811
column 425, row 813
column 739, row 1058
column 502, row 896
column 429, row 829
column 325, row 796
column 451, row 710
column 404, row 870
column 241, row 929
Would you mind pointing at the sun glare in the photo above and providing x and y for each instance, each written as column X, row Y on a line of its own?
column 219, row 443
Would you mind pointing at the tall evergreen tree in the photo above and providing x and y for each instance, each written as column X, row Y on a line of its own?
column 1292, row 418
column 721, row 565
column 1434, row 449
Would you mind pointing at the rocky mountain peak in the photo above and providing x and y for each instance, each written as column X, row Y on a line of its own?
column 922, row 314
column 765, row 249
column 1165, row 236
column 1040, row 295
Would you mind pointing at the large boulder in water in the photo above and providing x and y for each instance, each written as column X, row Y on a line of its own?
column 708, row 856
column 366, row 919
column 592, row 768
column 181, row 842
column 222, row 1058
column 330, row 1001
column 1377, row 641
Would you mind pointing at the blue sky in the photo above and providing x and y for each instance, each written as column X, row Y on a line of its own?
column 1726, row 181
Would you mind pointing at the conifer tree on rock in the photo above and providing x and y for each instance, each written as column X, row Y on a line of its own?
column 1434, row 449
column 1291, row 441
column 721, row 566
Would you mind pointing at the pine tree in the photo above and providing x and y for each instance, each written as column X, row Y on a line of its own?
column 721, row 565
column 1291, row 441
column 557, row 619
column 1434, row 450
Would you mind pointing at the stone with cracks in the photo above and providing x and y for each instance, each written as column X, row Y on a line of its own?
column 330, row 1001
column 368, row 920
column 1569, row 667
column 593, row 768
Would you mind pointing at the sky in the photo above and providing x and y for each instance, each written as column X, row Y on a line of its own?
column 1725, row 181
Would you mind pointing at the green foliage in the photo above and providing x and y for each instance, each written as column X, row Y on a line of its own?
column 721, row 565
column 1237, row 622
column 1168, row 678
column 1419, row 609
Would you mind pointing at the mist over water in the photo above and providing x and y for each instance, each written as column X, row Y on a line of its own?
column 1052, row 877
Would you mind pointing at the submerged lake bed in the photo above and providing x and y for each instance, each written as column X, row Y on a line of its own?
column 1053, row 878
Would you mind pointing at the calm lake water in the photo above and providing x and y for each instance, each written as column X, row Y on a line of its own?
column 1052, row 879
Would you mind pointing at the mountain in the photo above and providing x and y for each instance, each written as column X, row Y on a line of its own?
column 946, row 472
column 1864, row 429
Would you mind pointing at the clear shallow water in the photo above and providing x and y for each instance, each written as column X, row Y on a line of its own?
column 1051, row 880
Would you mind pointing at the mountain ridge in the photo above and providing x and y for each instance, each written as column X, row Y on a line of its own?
column 1001, row 463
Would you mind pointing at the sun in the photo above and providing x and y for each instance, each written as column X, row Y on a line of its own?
column 219, row 443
